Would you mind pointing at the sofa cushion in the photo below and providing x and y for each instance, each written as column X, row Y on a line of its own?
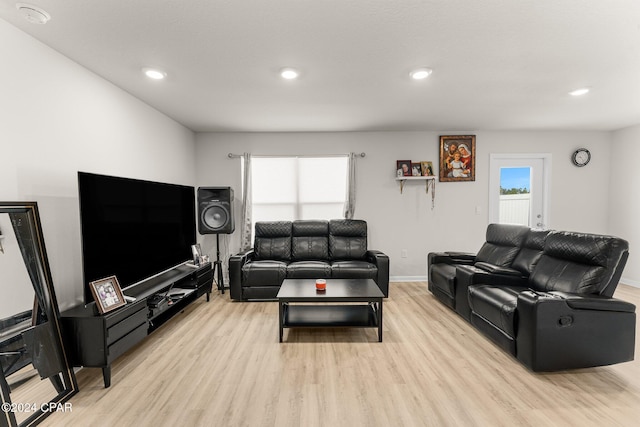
column 309, row 270
column 353, row 270
column 264, row 273
column 579, row 263
column 502, row 244
column 273, row 240
column 555, row 275
column 347, row 239
column 310, row 240
column 496, row 304
column 530, row 252
column 443, row 277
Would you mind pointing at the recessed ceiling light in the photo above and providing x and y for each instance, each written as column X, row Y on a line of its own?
column 33, row 14
column 579, row 92
column 289, row 73
column 154, row 73
column 420, row 73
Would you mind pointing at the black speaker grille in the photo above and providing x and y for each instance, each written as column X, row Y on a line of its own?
column 215, row 217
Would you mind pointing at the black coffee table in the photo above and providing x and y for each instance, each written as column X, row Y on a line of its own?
column 320, row 313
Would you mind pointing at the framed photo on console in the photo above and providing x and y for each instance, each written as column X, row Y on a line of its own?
column 196, row 251
column 107, row 294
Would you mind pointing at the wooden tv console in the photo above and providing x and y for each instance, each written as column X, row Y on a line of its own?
column 96, row 340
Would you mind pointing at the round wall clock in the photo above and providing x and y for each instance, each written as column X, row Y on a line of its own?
column 581, row 157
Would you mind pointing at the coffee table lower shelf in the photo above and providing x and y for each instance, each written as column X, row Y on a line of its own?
column 331, row 316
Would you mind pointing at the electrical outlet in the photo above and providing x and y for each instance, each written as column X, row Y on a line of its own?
column 403, row 253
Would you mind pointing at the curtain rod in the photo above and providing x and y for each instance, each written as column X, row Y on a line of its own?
column 235, row 156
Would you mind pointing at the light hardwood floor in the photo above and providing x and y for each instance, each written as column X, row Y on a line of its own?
column 220, row 364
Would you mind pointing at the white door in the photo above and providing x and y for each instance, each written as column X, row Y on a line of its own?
column 519, row 189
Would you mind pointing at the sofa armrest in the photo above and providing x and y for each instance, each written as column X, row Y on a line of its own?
column 467, row 275
column 558, row 331
column 451, row 258
column 495, row 269
column 381, row 261
column 235, row 272
column 594, row 302
column 474, row 275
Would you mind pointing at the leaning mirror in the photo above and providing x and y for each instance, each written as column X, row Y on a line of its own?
column 36, row 377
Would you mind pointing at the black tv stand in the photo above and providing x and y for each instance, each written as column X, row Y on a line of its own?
column 96, row 340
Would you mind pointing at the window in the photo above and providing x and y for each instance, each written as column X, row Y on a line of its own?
column 290, row 188
column 519, row 189
column 515, row 195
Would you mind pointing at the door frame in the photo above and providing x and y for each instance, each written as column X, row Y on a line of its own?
column 494, row 182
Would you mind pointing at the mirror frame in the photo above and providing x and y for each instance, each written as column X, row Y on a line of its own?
column 52, row 313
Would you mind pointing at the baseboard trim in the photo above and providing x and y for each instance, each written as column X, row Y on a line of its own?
column 408, row 278
column 630, row 282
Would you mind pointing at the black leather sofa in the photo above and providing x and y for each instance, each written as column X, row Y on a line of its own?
column 545, row 297
column 313, row 249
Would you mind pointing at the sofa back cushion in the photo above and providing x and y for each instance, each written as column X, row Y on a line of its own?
column 273, row 240
column 310, row 240
column 502, row 244
column 347, row 239
column 530, row 252
column 580, row 263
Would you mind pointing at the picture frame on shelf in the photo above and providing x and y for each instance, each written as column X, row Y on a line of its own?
column 403, row 168
column 457, row 158
column 196, row 251
column 416, row 169
column 107, row 293
column 427, row 168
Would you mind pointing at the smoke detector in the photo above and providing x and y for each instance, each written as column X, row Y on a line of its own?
column 33, row 14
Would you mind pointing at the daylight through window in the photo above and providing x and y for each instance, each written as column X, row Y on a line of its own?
column 290, row 188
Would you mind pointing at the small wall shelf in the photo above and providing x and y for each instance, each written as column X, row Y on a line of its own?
column 426, row 179
column 429, row 181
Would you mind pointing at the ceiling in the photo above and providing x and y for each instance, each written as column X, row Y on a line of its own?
column 497, row 64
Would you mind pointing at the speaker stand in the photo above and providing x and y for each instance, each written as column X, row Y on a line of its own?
column 217, row 265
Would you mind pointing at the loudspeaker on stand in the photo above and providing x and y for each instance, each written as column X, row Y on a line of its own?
column 215, row 210
column 215, row 216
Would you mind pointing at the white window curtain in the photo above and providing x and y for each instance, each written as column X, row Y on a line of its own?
column 246, row 230
column 350, row 202
column 298, row 187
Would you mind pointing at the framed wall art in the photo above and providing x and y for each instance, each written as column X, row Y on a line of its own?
column 107, row 294
column 457, row 158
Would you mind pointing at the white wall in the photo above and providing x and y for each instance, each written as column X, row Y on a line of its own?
column 406, row 221
column 624, row 204
column 57, row 118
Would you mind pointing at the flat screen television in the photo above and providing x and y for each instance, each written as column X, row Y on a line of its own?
column 133, row 229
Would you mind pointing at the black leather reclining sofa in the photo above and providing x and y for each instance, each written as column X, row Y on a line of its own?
column 543, row 296
column 313, row 249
